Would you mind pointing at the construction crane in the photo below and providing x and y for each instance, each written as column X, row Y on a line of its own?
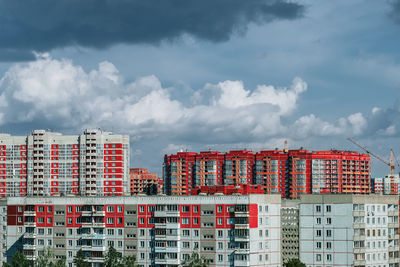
column 390, row 163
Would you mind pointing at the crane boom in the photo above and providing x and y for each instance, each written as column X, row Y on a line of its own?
column 372, row 153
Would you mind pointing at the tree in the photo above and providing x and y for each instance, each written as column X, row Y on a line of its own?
column 113, row 258
column 195, row 261
column 294, row 263
column 80, row 261
column 47, row 259
column 129, row 261
column 18, row 260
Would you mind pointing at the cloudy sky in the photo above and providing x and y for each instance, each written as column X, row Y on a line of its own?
column 200, row 75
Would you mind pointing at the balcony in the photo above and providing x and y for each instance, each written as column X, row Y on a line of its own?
column 87, row 224
column 357, row 213
column 242, row 238
column 30, row 224
column 242, row 214
column 29, row 247
column 86, row 213
column 30, row 257
column 99, row 224
column 359, row 225
column 242, row 226
column 99, row 213
column 359, row 250
column 28, row 213
column 30, row 235
column 359, row 262
column 96, row 259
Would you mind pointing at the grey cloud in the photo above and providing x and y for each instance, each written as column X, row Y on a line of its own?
column 31, row 25
column 395, row 12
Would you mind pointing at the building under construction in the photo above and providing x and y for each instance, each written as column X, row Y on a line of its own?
column 291, row 173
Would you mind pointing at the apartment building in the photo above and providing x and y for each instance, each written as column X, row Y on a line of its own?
column 349, row 230
column 49, row 164
column 3, row 230
column 290, row 229
column 142, row 181
column 160, row 230
column 386, row 185
column 291, row 173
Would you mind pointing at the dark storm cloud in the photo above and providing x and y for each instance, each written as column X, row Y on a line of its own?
column 41, row 25
column 395, row 13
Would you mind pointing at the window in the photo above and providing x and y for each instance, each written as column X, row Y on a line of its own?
column 110, row 209
column 110, row 220
column 318, row 257
column 185, row 221
column 219, row 221
column 318, row 220
column 196, row 221
column 195, row 209
column 328, row 233
column 319, row 245
column 318, row 209
column 141, row 208
column 119, row 209
column 328, row 220
column 319, row 233
column 328, row 245
column 185, row 232
column 328, row 208
column 219, row 209
column 220, row 233
column 220, row 257
column 329, row 257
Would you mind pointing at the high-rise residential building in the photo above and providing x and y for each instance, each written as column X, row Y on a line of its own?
column 299, row 173
column 178, row 173
column 270, row 171
column 349, row 230
column 341, row 172
column 143, row 181
column 48, row 164
column 291, row 173
column 208, row 170
column 158, row 230
column 386, row 185
column 238, row 167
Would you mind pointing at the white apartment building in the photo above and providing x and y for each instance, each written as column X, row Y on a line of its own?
column 349, row 230
column 51, row 164
column 160, row 230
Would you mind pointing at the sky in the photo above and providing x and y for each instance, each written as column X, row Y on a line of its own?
column 205, row 75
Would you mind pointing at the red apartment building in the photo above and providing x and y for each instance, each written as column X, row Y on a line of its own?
column 291, row 173
column 142, row 181
column 51, row 164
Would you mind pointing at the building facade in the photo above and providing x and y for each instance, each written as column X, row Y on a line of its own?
column 51, row 164
column 349, row 230
column 291, row 173
column 142, row 181
column 159, row 230
column 386, row 185
column 290, row 245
